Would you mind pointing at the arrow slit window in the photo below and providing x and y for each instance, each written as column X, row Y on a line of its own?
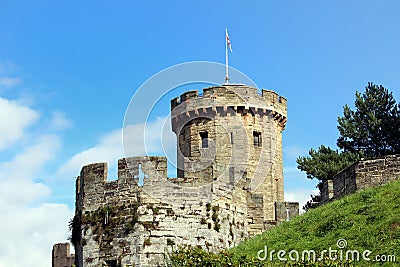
column 257, row 139
column 204, row 139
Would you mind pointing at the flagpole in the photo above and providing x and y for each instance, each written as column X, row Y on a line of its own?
column 226, row 57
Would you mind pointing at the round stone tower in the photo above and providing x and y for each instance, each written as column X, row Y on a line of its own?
column 232, row 133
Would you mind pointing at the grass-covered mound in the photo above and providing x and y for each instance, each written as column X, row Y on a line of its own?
column 366, row 221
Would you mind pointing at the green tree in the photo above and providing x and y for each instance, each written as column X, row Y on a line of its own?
column 374, row 126
column 312, row 203
column 373, row 129
column 325, row 162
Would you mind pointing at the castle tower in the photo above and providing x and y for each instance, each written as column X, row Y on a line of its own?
column 229, row 133
column 229, row 185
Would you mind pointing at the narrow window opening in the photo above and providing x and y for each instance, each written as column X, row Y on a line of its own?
column 204, row 139
column 257, row 139
column 231, row 137
column 231, row 175
column 184, row 142
column 112, row 263
column 141, row 175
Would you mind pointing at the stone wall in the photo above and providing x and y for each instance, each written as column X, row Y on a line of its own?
column 285, row 211
column 61, row 255
column 345, row 182
column 362, row 175
column 326, row 191
column 122, row 222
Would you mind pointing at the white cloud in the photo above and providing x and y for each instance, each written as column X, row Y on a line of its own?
column 17, row 194
column 28, row 234
column 109, row 149
column 28, row 229
column 298, row 186
column 6, row 82
column 6, row 67
column 32, row 158
column 111, row 146
column 301, row 195
column 293, row 152
column 16, row 183
column 291, row 169
column 29, row 226
column 14, row 120
column 60, row 121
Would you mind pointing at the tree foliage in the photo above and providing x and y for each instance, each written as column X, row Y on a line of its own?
column 312, row 203
column 325, row 162
column 374, row 126
column 371, row 130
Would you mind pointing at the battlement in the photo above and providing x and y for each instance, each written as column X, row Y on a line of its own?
column 274, row 98
column 144, row 177
column 227, row 100
column 232, row 96
column 129, row 169
column 61, row 255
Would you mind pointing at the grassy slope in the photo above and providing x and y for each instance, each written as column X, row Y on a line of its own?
column 369, row 219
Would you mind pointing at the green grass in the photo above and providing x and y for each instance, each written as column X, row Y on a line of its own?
column 367, row 220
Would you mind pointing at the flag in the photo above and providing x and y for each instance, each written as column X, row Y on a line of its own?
column 228, row 41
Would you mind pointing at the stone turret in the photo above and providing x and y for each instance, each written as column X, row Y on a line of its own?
column 232, row 131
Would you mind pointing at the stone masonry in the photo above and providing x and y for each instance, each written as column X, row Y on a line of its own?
column 229, row 185
column 61, row 255
column 361, row 175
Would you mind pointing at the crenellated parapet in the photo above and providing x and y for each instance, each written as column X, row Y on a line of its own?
column 228, row 100
column 61, row 255
column 94, row 173
column 93, row 187
column 234, row 95
column 128, row 169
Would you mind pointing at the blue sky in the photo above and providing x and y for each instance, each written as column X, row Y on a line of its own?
column 68, row 71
